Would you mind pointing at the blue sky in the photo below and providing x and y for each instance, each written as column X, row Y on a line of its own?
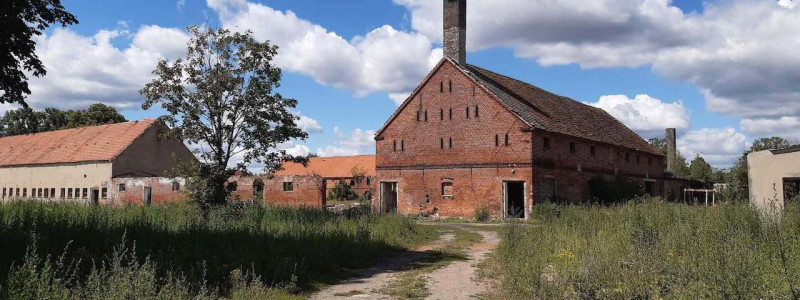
column 712, row 69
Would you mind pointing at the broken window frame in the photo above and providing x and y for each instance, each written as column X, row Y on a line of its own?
column 288, row 186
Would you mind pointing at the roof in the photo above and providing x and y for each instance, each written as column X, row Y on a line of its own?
column 332, row 167
column 543, row 110
column 790, row 149
column 86, row 144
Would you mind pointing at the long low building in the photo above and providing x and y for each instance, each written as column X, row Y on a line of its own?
column 122, row 163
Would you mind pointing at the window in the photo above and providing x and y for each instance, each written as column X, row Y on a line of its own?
column 506, row 139
column 467, row 112
column 441, row 114
column 288, row 186
column 85, row 193
column 638, row 159
column 419, row 115
column 592, row 151
column 176, row 186
column 17, row 192
column 447, row 189
column 426, row 116
column 451, row 113
column 402, row 145
column 69, row 193
column 627, row 157
column 52, row 193
column 441, row 86
column 451, row 85
column 40, row 193
column 451, row 143
column 476, row 111
column 394, row 145
column 369, row 181
column 497, row 140
column 47, row 193
column 4, row 192
column 104, row 193
column 121, row 187
column 352, row 183
column 441, row 143
column 24, row 193
column 233, row 186
column 546, row 143
column 572, row 147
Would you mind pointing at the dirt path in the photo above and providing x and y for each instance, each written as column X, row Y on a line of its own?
column 455, row 281
column 459, row 279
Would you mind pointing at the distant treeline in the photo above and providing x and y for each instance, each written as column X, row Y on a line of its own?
column 28, row 121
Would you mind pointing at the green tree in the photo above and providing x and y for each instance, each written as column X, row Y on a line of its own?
column 28, row 121
column 342, row 192
column 738, row 175
column 700, row 170
column 20, row 21
column 681, row 167
column 222, row 97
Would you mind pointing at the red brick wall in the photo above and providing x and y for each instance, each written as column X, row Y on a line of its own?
column 162, row 192
column 360, row 187
column 475, row 165
column 309, row 191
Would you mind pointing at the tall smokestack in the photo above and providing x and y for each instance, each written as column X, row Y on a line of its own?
column 455, row 30
column 671, row 150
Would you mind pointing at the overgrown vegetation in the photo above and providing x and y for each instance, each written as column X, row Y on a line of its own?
column 609, row 192
column 649, row 249
column 66, row 251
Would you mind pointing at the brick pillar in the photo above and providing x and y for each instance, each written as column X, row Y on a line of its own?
column 455, row 30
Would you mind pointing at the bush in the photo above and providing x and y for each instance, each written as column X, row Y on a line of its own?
column 609, row 192
column 482, row 214
column 342, row 192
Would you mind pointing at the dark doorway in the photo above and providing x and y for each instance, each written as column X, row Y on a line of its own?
column 388, row 196
column 650, row 188
column 147, row 196
column 791, row 190
column 515, row 199
column 95, row 197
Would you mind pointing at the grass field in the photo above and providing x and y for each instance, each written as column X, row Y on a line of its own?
column 65, row 251
column 651, row 250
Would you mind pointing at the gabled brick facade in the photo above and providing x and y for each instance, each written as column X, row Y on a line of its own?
column 455, row 146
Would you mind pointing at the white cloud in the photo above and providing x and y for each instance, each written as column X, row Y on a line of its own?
column 4, row 107
column 357, row 142
column 742, row 54
column 720, row 147
column 399, row 98
column 383, row 60
column 644, row 114
column 786, row 127
column 181, row 4
column 83, row 70
column 308, row 125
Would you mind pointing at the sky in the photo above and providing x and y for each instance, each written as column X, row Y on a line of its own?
column 722, row 72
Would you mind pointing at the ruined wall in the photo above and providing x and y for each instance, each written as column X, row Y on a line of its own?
column 360, row 187
column 767, row 170
column 308, row 191
column 133, row 194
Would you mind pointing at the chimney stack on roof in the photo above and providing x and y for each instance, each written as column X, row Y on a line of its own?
column 672, row 153
column 455, row 30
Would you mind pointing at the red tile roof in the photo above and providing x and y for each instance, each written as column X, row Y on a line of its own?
column 86, row 144
column 332, row 167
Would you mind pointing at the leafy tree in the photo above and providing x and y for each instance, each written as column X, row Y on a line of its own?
column 28, row 121
column 700, row 170
column 343, row 192
column 738, row 175
column 681, row 169
column 222, row 98
column 20, row 21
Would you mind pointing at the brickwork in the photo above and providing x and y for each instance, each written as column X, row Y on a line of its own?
column 307, row 191
column 360, row 186
column 133, row 194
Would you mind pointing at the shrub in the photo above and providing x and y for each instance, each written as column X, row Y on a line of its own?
column 608, row 192
column 342, row 192
column 482, row 214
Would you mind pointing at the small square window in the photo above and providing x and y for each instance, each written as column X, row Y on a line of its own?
column 85, row 193
column 47, row 193
column 52, row 193
column 121, row 187
column 176, row 186
column 63, row 193
column 369, row 181
column 69, row 193
column 24, row 193
column 352, row 183
column 104, row 193
column 447, row 189
column 288, row 186
column 572, row 147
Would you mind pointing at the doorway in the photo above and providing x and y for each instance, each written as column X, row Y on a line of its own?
column 388, row 196
column 147, row 196
column 650, row 188
column 515, row 199
column 94, row 196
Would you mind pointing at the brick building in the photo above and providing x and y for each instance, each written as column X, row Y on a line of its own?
column 122, row 163
column 358, row 172
column 469, row 138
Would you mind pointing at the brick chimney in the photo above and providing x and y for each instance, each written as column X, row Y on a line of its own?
column 455, row 30
column 671, row 149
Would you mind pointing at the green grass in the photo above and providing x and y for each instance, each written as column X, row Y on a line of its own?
column 66, row 251
column 651, row 250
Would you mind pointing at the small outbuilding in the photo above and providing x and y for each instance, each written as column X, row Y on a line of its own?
column 774, row 177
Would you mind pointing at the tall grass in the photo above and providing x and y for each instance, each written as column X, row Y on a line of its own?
column 650, row 249
column 172, row 247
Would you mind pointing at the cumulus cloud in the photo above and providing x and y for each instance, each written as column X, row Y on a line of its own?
column 375, row 62
column 357, row 142
column 308, row 125
column 644, row 114
column 720, row 147
column 741, row 53
column 786, row 127
column 82, row 70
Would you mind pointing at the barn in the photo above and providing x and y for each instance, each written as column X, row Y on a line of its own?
column 468, row 138
column 122, row 163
